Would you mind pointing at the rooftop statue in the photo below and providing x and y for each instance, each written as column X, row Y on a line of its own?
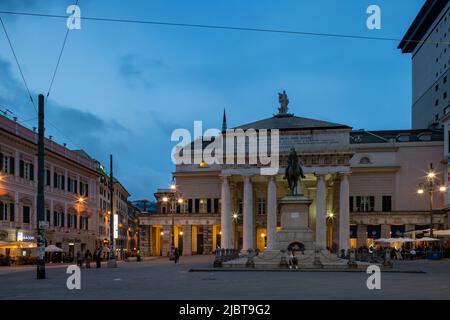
column 284, row 101
column 293, row 172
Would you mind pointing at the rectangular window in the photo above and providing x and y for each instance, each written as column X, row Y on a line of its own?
column 197, row 205
column 189, row 205
column 3, row 211
column 203, row 206
column 47, row 216
column 6, row 163
column 11, row 212
column 208, row 205
column 26, row 214
column 365, row 203
column 26, row 170
column 47, row 177
column 216, row 205
column 351, row 204
column 387, row 203
column 261, row 206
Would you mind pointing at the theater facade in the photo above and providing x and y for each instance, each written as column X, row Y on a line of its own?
column 363, row 186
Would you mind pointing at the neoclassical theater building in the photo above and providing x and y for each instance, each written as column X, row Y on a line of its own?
column 363, row 185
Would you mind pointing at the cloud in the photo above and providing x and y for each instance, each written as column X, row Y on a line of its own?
column 66, row 124
column 136, row 70
column 133, row 148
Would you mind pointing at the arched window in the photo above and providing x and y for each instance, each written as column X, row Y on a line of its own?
column 365, row 160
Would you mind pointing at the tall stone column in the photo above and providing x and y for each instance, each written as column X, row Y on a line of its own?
column 225, row 218
column 271, row 213
column 167, row 240
column 344, row 213
column 207, row 239
column 187, row 240
column 145, row 241
column 321, row 223
column 248, row 214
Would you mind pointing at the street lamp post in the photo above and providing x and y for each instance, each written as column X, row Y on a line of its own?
column 171, row 198
column 431, row 186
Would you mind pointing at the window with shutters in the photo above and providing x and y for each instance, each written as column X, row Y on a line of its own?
column 365, row 203
column 58, row 219
column 6, row 163
column 59, row 180
column 4, row 209
column 26, row 170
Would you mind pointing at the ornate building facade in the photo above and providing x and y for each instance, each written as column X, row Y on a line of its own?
column 363, row 186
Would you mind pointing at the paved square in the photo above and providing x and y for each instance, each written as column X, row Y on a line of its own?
column 162, row 279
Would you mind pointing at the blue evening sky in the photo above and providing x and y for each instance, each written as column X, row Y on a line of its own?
column 123, row 88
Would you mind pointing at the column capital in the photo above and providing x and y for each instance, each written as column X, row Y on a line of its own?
column 344, row 175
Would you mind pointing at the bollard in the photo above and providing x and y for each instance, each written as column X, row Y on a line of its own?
column 218, row 259
column 387, row 259
column 352, row 259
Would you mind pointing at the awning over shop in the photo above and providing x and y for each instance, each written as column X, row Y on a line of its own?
column 397, row 231
column 374, row 231
column 18, row 245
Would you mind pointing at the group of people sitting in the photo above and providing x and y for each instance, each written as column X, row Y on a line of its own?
column 292, row 260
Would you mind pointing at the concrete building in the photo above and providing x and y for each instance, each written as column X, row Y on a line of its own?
column 70, row 194
column 427, row 40
column 363, row 186
column 104, row 208
column 120, row 200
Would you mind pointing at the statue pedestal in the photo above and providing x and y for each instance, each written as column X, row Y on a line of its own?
column 295, row 223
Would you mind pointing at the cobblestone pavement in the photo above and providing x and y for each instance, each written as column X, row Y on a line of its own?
column 162, row 279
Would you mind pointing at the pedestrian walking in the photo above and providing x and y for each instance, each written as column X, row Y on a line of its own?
column 98, row 257
column 79, row 259
column 88, row 258
column 176, row 254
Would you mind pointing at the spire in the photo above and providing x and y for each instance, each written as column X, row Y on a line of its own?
column 224, row 122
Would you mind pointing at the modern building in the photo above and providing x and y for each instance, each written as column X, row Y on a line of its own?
column 428, row 42
column 363, row 186
column 70, row 194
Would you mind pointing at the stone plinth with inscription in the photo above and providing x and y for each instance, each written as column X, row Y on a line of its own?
column 295, row 223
